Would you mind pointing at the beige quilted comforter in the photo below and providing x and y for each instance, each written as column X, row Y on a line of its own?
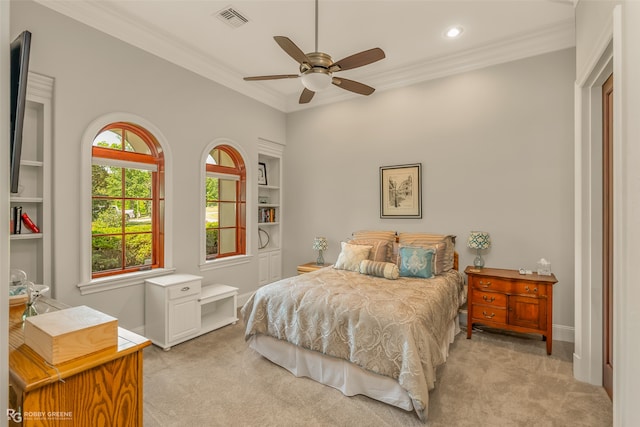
column 397, row 328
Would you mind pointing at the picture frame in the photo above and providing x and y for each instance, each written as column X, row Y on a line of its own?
column 262, row 173
column 401, row 191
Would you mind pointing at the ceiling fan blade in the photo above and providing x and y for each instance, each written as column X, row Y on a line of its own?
column 306, row 96
column 359, row 59
column 274, row 77
column 292, row 50
column 352, row 86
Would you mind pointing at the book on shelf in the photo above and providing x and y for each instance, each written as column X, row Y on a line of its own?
column 266, row 215
column 16, row 223
column 29, row 223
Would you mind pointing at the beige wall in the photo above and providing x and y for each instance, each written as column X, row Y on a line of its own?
column 496, row 147
column 96, row 74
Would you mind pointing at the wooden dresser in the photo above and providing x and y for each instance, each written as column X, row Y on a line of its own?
column 100, row 389
column 509, row 300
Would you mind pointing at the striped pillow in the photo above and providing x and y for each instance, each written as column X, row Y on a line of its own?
column 379, row 248
column 388, row 270
column 387, row 236
column 443, row 245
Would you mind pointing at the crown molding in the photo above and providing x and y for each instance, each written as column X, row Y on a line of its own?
column 155, row 41
column 545, row 40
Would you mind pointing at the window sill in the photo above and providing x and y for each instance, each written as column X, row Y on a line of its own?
column 121, row 280
column 225, row 262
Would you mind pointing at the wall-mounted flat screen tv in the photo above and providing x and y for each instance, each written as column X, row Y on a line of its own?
column 20, row 48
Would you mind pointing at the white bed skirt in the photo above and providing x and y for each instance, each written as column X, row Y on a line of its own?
column 350, row 379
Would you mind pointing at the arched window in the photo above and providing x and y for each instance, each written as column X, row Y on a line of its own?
column 225, row 203
column 127, row 223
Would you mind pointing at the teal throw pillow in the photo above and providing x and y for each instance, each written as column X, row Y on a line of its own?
column 416, row 262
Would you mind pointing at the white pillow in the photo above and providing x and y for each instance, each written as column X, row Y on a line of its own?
column 351, row 256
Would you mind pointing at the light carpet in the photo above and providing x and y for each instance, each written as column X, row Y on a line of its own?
column 494, row 379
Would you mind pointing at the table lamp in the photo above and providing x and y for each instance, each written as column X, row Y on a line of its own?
column 320, row 244
column 479, row 240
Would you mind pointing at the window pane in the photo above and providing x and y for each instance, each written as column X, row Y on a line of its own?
column 226, row 159
column 227, row 214
column 106, row 217
column 106, row 181
column 106, row 253
column 137, row 216
column 138, row 250
column 210, row 159
column 227, row 190
column 109, row 139
column 212, row 189
column 227, row 240
column 211, row 215
column 137, row 183
column 212, row 243
column 134, row 143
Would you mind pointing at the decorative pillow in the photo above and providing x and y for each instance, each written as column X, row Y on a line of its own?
column 388, row 270
column 444, row 245
column 387, row 236
column 378, row 248
column 416, row 262
column 351, row 256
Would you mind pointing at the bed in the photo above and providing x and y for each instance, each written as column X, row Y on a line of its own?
column 369, row 330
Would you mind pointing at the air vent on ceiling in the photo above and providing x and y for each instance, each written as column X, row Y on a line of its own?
column 232, row 17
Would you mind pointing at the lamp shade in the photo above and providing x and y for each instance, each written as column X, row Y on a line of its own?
column 479, row 240
column 320, row 244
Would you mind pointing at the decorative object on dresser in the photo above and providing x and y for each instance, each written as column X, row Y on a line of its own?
column 507, row 299
column 479, row 240
column 320, row 244
column 310, row 266
column 400, row 191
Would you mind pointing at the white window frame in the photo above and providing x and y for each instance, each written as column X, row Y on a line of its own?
column 87, row 284
column 212, row 264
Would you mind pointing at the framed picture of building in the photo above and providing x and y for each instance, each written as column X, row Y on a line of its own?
column 401, row 191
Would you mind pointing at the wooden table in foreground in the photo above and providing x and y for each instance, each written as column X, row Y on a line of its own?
column 102, row 388
column 509, row 300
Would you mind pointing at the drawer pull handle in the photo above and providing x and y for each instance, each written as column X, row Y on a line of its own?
column 185, row 289
column 526, row 288
column 491, row 299
column 485, row 284
column 488, row 316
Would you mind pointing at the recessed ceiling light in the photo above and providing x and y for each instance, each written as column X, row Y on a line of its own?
column 453, row 32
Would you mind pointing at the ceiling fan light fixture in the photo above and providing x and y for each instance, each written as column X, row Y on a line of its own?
column 316, row 79
column 453, row 32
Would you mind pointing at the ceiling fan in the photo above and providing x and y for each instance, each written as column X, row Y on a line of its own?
column 317, row 68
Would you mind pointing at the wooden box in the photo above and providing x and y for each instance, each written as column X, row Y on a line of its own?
column 66, row 334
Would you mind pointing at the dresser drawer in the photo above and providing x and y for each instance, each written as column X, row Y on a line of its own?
column 490, row 299
column 184, row 289
column 489, row 314
column 491, row 284
column 532, row 289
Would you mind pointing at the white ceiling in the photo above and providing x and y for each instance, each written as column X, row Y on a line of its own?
column 189, row 33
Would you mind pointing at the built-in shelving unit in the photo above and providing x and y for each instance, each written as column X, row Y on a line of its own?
column 31, row 252
column 270, row 213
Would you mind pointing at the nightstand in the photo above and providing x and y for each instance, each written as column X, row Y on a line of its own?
column 506, row 299
column 310, row 266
